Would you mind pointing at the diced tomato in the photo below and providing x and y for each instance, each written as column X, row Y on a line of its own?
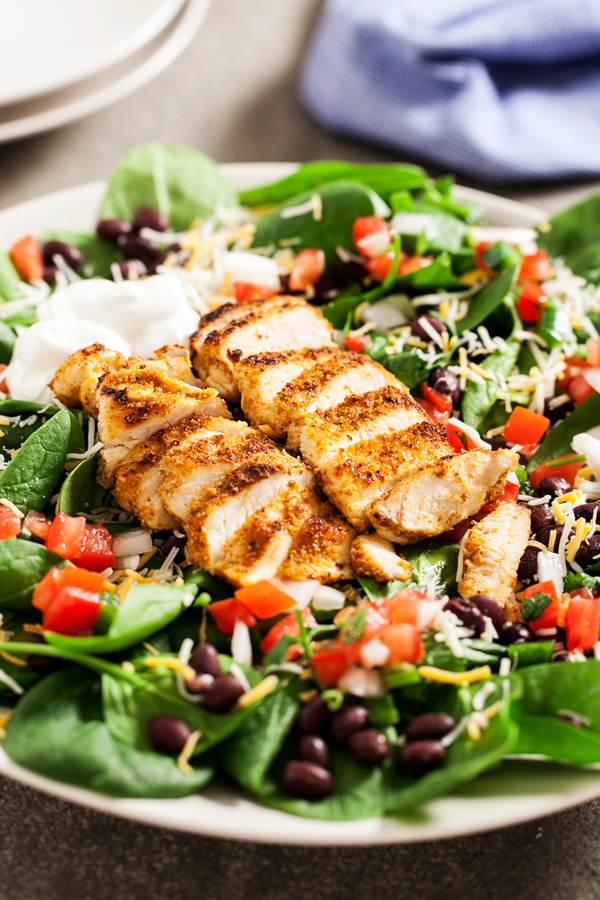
column 443, row 402
column 66, row 535
column 575, row 365
column 532, row 300
column 3, row 382
column 264, row 600
column 579, row 389
column 583, row 622
column 37, row 523
column 330, row 664
column 479, row 251
column 510, row 493
column 582, row 592
column 552, row 613
column 97, row 550
column 10, row 523
column 286, row 626
column 414, row 263
column 357, row 342
column 379, row 267
column 308, row 268
column 457, row 438
column 371, row 236
column 245, row 291
column 435, row 414
column 535, row 267
column 525, row 426
column 404, row 642
column 404, row 606
column 72, row 611
column 227, row 612
column 27, row 258
column 568, row 471
column 55, row 579
column 592, row 352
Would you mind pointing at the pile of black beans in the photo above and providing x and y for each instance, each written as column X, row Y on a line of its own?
column 423, row 749
column 219, row 692
column 142, row 256
column 72, row 256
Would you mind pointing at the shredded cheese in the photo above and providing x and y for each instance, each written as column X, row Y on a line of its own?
column 183, row 760
column 446, row 677
column 259, row 692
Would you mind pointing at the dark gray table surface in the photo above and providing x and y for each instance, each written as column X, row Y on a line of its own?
column 232, row 94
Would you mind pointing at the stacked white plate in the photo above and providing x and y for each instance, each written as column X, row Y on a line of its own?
column 65, row 59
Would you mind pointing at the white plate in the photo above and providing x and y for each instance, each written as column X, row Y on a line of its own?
column 517, row 792
column 50, row 45
column 116, row 81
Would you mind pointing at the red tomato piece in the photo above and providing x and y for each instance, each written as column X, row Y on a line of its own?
column 510, row 493
column 568, row 471
column 358, row 343
column 3, row 383
column 55, row 579
column 330, row 664
column 532, row 300
column 227, row 612
column 525, row 426
column 27, row 258
column 457, row 438
column 404, row 642
column 414, row 263
column 579, row 389
column 552, row 613
column 443, row 402
column 286, row 626
column 535, row 267
column 371, row 236
column 432, row 411
column 592, row 352
column 97, row 550
column 379, row 267
column 37, row 523
column 245, row 291
column 583, row 622
column 10, row 523
column 479, row 251
column 575, row 365
column 66, row 535
column 404, row 606
column 308, row 268
column 73, row 610
column 264, row 600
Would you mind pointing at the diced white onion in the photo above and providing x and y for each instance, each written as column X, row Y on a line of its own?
column 512, row 478
column 374, row 653
column 415, row 223
column 426, row 613
column 590, row 447
column 362, row 682
column 128, row 562
column 252, row 268
column 300, row 592
column 134, row 541
column 549, row 569
column 239, row 676
column 592, row 376
column 241, row 645
column 384, row 315
column 375, row 244
column 523, row 238
column 328, row 598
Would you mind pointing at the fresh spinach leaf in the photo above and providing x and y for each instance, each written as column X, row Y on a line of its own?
column 183, row 183
column 99, row 254
column 10, row 283
column 442, row 233
column 488, row 299
column 557, row 739
column 478, row 399
column 501, row 255
column 433, row 561
column 15, row 434
column 23, row 564
column 558, row 442
column 81, row 492
column 383, row 711
column 574, row 235
column 533, row 654
column 57, row 731
column 437, row 275
column 533, row 607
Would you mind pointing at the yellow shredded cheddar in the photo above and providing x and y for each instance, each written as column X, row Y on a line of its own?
column 445, row 677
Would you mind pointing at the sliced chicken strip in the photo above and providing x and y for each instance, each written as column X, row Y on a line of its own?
column 492, row 551
column 436, row 498
column 373, row 557
column 359, row 475
column 75, row 382
column 219, row 319
column 321, row 549
column 174, row 360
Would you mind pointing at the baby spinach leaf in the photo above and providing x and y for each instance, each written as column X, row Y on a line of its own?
column 23, row 564
column 558, row 442
column 488, row 299
column 575, row 235
column 10, row 283
column 383, row 711
column 57, row 731
column 443, row 232
column 147, row 608
column 327, row 224
column 437, row 275
column 557, row 739
column 478, row 399
column 384, row 179
column 433, row 561
column 183, row 183
column 80, row 491
column 23, row 675
column 99, row 254
column 501, row 255
column 527, row 654
column 31, row 477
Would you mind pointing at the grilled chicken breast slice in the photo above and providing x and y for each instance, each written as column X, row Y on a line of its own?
column 436, row 498
column 217, row 320
column 321, row 549
column 493, row 548
column 76, row 380
column 138, row 401
column 373, row 557
column 359, row 475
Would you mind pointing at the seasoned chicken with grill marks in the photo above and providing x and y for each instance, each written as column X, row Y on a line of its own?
column 492, row 551
column 373, row 557
column 138, row 401
column 284, row 323
column 76, row 380
column 439, row 496
column 321, row 550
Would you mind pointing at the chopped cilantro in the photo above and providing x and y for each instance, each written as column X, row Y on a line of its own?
column 533, row 607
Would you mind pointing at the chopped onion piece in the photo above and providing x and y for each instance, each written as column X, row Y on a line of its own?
column 592, row 376
column 241, row 645
column 426, row 613
column 590, row 447
column 301, row 592
column 549, row 569
column 135, row 541
column 328, row 598
column 362, row 682
column 128, row 562
column 374, row 653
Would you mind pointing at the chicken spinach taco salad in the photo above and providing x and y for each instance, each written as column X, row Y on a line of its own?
column 299, row 487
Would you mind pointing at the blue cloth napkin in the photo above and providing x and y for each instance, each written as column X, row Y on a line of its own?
column 505, row 90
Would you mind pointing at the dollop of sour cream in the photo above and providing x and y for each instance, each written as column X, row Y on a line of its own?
column 133, row 317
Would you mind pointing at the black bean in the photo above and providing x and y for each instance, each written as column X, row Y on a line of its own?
column 49, row 275
column 313, row 748
column 528, row 565
column 446, row 382
column 541, row 517
column 556, row 408
column 350, row 272
column 150, row 217
column 325, row 290
column 429, row 726
column 417, row 330
column 113, row 229
column 489, row 607
column 573, row 718
column 205, row 661
column 543, row 535
column 516, row 633
column 44, row 664
column 167, row 734
column 496, row 443
column 222, row 694
column 553, row 485
column 586, row 511
column 71, row 255
column 348, row 720
column 199, row 684
column 171, row 542
column 368, row 746
column 314, row 716
column 468, row 614
column 307, row 780
column 136, row 247
column 419, row 757
column 589, row 549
